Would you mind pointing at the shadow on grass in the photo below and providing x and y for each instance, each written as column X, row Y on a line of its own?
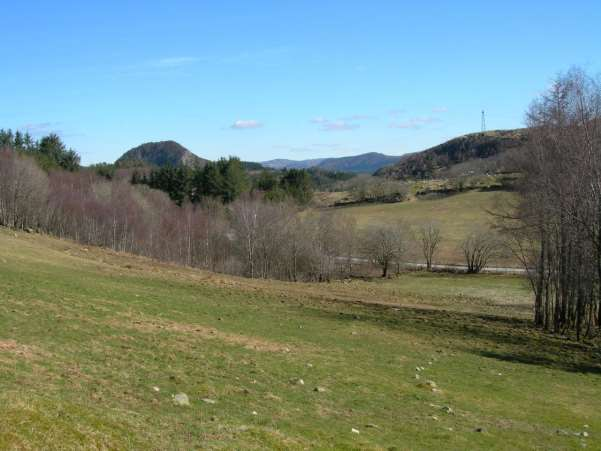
column 528, row 358
column 498, row 337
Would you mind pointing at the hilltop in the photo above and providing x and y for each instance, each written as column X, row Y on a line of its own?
column 475, row 152
column 364, row 163
column 162, row 153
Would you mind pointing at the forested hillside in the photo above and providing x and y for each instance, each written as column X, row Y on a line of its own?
column 475, row 148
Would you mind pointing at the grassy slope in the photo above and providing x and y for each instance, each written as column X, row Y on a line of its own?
column 456, row 215
column 86, row 334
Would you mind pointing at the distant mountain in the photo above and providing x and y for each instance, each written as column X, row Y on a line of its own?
column 282, row 163
column 163, row 153
column 465, row 154
column 367, row 162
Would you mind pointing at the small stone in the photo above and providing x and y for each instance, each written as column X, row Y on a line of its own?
column 319, row 389
column 448, row 410
column 181, row 399
column 355, row 431
column 156, row 389
column 353, row 333
column 417, row 376
column 431, row 384
column 209, row 401
column 584, row 434
column 309, row 365
column 434, row 417
column 586, row 426
column 255, row 412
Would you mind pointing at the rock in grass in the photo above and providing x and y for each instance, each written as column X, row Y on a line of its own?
column 181, row 399
column 448, row 410
column 319, row 389
column 355, row 431
column 209, row 401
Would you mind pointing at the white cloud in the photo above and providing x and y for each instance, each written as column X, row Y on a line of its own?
column 242, row 124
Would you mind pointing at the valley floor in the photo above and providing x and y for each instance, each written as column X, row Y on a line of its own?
column 94, row 345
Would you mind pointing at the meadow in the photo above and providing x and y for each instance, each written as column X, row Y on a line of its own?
column 95, row 344
column 456, row 215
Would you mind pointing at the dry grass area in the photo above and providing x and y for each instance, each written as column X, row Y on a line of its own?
column 95, row 344
column 456, row 215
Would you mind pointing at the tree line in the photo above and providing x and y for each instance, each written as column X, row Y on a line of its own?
column 50, row 152
column 225, row 180
column 555, row 228
column 253, row 235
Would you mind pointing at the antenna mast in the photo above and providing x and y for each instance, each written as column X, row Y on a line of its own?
column 483, row 122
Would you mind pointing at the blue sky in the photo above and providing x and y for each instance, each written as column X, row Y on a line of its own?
column 290, row 79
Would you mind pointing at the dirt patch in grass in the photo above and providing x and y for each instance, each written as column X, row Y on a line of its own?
column 20, row 350
column 204, row 332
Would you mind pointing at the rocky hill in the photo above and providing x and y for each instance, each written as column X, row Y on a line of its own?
column 467, row 152
column 163, row 153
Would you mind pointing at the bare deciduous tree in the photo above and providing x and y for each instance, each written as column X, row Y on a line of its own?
column 478, row 248
column 556, row 228
column 385, row 245
column 430, row 238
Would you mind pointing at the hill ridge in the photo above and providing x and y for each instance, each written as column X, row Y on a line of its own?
column 160, row 153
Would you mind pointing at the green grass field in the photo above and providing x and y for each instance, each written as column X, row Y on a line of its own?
column 456, row 215
column 86, row 335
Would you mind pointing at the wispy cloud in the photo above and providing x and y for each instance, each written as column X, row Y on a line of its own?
column 358, row 117
column 246, row 124
column 40, row 128
column 338, row 125
column 261, row 57
column 415, row 123
column 396, row 112
column 176, row 61
column 440, row 109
